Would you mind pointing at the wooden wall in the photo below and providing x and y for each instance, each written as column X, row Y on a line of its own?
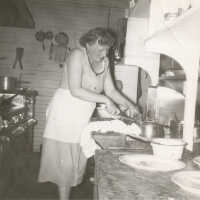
column 71, row 16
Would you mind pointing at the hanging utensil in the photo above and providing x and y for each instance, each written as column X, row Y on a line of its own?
column 18, row 57
column 61, row 49
column 62, row 39
column 40, row 36
column 49, row 36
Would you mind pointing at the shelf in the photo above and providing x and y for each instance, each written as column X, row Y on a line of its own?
column 173, row 78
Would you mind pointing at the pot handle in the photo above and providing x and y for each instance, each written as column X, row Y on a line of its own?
column 141, row 138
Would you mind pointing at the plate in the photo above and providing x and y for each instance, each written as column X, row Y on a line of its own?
column 151, row 162
column 196, row 160
column 188, row 180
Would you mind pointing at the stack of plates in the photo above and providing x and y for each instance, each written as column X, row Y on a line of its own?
column 188, row 180
column 151, row 162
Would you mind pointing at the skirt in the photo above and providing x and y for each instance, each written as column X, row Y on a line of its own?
column 62, row 163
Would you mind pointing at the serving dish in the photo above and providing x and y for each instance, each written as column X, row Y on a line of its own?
column 151, row 163
column 188, row 181
column 169, row 148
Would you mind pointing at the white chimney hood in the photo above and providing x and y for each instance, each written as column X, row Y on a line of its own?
column 137, row 31
column 135, row 52
column 177, row 37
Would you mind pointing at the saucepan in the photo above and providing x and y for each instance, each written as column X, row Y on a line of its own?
column 9, row 83
column 151, row 129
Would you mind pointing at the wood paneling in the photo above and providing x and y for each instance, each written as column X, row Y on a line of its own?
column 73, row 17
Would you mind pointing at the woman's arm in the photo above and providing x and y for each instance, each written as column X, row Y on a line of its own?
column 118, row 98
column 75, row 71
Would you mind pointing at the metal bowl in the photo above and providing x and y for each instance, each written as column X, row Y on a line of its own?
column 8, row 83
column 152, row 129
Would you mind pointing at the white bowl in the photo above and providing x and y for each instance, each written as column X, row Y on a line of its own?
column 169, row 148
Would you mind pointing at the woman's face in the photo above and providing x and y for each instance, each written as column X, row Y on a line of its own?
column 97, row 52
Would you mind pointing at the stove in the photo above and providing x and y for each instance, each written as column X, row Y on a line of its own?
column 17, row 121
column 17, row 113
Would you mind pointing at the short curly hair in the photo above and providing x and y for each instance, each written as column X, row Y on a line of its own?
column 104, row 36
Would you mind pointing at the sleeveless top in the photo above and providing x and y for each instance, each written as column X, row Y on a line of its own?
column 90, row 80
column 66, row 115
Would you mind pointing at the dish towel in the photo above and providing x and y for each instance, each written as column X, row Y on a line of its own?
column 89, row 145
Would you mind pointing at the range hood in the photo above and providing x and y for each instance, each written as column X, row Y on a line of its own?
column 15, row 13
column 178, row 37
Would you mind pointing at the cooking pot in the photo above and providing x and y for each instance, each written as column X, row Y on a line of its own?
column 10, row 83
column 151, row 129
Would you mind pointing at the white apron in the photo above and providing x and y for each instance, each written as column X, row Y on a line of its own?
column 67, row 116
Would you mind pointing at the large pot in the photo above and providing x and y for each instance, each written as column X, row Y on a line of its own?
column 8, row 83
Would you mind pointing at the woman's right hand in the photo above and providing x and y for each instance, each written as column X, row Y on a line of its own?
column 112, row 108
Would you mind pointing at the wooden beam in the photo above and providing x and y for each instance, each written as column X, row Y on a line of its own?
column 15, row 13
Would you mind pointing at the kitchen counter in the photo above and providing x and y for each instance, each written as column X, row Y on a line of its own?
column 117, row 181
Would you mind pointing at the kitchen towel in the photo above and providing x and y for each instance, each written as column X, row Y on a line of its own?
column 89, row 145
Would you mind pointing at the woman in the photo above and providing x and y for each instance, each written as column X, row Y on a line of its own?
column 86, row 81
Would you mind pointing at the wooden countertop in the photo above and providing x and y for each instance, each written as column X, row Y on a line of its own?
column 117, row 181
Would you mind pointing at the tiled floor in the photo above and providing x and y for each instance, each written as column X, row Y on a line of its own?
column 27, row 187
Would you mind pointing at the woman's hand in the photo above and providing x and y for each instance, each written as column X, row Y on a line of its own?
column 131, row 110
column 112, row 108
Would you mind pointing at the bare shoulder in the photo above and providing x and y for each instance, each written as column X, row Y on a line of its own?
column 76, row 53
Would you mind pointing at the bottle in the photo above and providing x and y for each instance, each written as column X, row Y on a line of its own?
column 180, row 129
column 173, row 124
